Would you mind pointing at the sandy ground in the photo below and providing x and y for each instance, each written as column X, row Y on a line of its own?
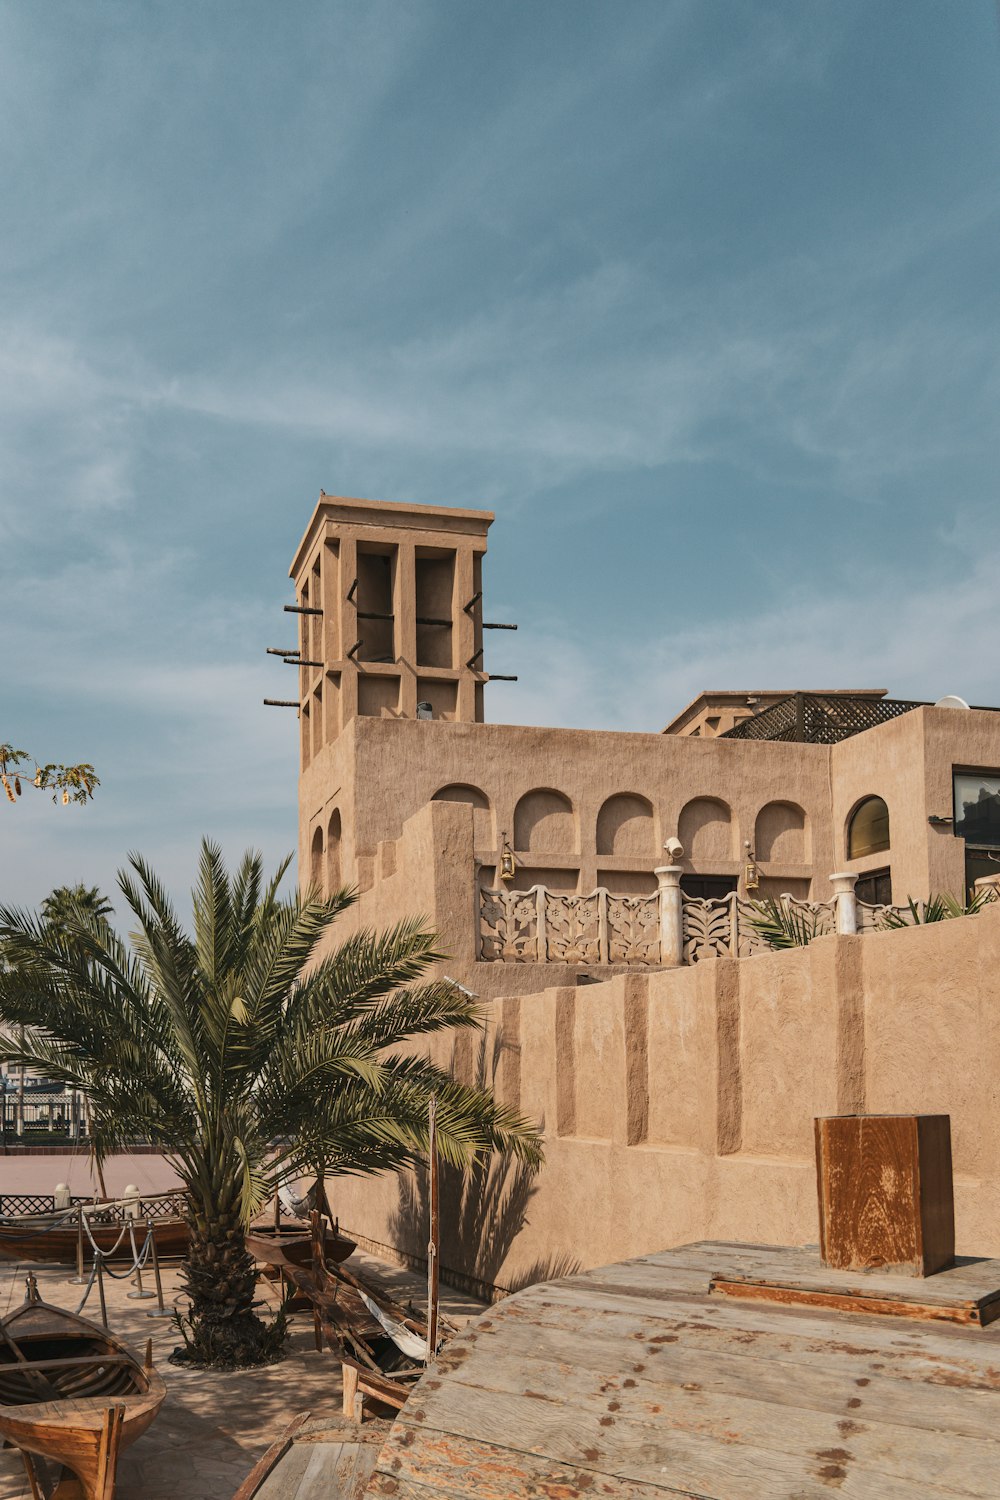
column 212, row 1426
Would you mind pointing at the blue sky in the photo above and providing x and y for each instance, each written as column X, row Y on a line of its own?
column 700, row 296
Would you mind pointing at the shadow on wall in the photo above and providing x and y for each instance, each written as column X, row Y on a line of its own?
column 483, row 1208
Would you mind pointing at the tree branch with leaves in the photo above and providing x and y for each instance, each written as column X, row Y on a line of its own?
column 72, row 783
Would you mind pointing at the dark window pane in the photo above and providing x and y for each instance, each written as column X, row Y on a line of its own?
column 980, row 862
column 868, row 830
column 874, row 888
column 708, row 887
column 977, row 806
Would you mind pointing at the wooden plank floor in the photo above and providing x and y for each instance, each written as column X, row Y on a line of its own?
column 637, row 1380
column 321, row 1471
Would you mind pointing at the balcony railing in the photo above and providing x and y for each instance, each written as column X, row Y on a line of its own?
column 663, row 930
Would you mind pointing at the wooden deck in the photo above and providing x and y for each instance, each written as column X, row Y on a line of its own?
column 639, row 1380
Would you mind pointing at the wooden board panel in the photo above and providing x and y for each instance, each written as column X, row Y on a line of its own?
column 968, row 1292
column 885, row 1192
column 599, row 1385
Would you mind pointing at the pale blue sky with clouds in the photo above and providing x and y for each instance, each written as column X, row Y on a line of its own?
column 700, row 296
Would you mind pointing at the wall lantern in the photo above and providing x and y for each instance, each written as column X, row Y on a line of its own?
column 506, row 860
column 751, row 874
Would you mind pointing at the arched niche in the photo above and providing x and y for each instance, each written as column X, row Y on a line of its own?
column 544, row 823
column 316, row 859
column 625, row 826
column 334, row 879
column 705, row 828
column 482, row 815
column 868, row 828
column 781, row 834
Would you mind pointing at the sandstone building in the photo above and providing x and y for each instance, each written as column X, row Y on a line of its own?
column 547, row 858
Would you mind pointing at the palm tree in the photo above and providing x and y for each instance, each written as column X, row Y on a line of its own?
column 62, row 906
column 245, row 1057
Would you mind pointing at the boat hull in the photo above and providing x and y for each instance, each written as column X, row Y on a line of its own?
column 72, row 1393
column 36, row 1243
column 75, row 1440
column 293, row 1247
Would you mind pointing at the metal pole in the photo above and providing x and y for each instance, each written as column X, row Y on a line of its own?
column 432, row 1243
column 137, row 1278
column 159, row 1311
column 99, row 1257
column 79, row 1279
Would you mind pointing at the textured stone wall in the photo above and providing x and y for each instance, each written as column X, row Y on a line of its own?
column 678, row 1105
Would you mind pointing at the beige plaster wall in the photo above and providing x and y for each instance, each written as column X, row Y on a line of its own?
column 678, row 1104
column 909, row 763
column 385, row 770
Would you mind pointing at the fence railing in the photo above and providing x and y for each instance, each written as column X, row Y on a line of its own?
column 663, row 929
column 115, row 1211
column 542, row 926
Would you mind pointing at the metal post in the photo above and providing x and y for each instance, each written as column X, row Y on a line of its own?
column 159, row 1311
column 671, row 916
column 137, row 1278
column 99, row 1258
column 433, row 1288
column 79, row 1278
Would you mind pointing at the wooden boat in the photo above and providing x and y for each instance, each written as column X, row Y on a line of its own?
column 283, row 1245
column 381, row 1344
column 54, row 1235
column 72, row 1392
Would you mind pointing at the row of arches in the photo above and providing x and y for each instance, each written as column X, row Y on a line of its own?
column 324, row 854
column 545, row 822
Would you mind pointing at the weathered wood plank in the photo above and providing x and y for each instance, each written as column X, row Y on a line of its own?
column 915, row 1393
column 600, row 1380
column 465, row 1470
column 728, row 1446
column 269, row 1460
column 282, row 1483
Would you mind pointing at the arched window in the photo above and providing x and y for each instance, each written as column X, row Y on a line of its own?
column 868, row 828
column 333, row 853
column 316, row 860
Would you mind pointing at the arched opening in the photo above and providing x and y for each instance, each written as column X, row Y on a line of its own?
column 333, row 875
column 625, row 826
column 483, row 833
column 316, row 860
column 780, row 834
column 705, row 829
column 544, row 823
column 868, row 828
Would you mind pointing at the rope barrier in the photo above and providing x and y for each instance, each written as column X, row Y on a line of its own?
column 97, row 1248
column 139, row 1258
column 90, row 1284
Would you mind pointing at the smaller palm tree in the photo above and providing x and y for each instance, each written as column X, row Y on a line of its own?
column 244, row 1056
column 69, row 904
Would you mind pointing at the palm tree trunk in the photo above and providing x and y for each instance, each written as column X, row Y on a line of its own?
column 220, row 1278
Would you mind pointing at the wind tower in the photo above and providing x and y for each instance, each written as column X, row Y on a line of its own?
column 389, row 604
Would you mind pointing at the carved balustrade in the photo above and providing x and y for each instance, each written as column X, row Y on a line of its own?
column 543, row 926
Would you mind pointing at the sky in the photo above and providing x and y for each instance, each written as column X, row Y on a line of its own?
column 699, row 296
